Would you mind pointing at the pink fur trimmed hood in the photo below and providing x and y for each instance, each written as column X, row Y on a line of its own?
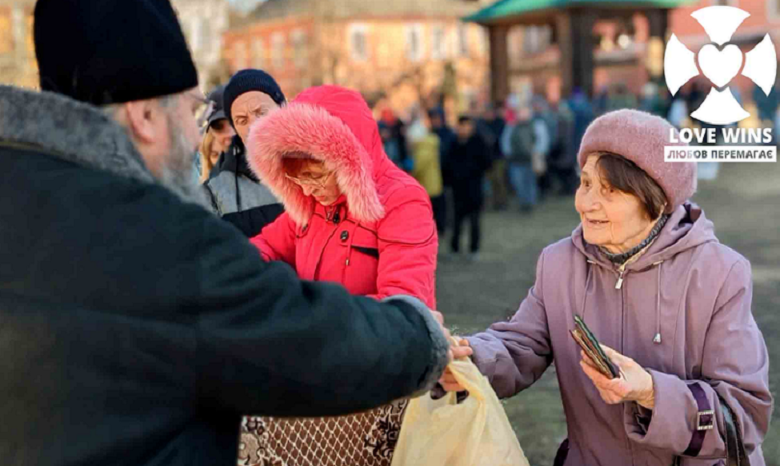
column 334, row 125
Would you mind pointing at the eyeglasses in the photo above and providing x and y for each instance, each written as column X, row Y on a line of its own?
column 318, row 182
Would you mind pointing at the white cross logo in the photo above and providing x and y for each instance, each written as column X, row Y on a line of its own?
column 720, row 63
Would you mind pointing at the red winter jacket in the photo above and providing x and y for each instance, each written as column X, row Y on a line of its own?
column 379, row 239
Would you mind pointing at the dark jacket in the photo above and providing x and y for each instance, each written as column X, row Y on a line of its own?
column 467, row 163
column 136, row 328
column 237, row 195
column 491, row 131
column 447, row 139
column 521, row 141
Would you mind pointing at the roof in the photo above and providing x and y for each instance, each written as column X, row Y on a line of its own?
column 504, row 9
column 345, row 9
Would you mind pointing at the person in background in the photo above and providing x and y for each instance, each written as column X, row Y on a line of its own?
column 655, row 99
column 236, row 193
column 600, row 99
column 427, row 167
column 562, row 165
column 767, row 105
column 447, row 138
column 352, row 217
column 495, row 124
column 467, row 164
column 393, row 134
column 670, row 304
column 583, row 114
column 545, row 132
column 522, row 141
column 620, row 97
column 208, row 156
column 136, row 326
column 678, row 112
column 218, row 122
column 217, row 134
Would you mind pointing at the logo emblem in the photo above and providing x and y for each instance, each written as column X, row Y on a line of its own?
column 720, row 62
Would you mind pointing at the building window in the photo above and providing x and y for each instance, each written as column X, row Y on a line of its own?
column 463, row 40
column 531, row 40
column 277, row 50
column 358, row 42
column 439, row 43
column 536, row 39
column 258, row 53
column 514, row 41
column 301, row 57
column 240, row 58
column 414, row 42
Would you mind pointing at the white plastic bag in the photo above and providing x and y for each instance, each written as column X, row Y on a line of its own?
column 475, row 432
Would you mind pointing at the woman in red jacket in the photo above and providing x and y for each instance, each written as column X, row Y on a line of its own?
column 351, row 217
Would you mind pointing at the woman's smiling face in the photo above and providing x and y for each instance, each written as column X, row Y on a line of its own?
column 610, row 218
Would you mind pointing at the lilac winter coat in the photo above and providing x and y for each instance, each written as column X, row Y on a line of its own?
column 693, row 291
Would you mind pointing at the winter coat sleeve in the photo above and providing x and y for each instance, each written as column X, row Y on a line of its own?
column 277, row 241
column 485, row 156
column 542, row 137
column 735, row 366
column 408, row 246
column 271, row 344
column 513, row 355
column 506, row 140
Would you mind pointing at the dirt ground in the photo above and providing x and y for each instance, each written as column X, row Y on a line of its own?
column 743, row 202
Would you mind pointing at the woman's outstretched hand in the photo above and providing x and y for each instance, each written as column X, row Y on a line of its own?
column 634, row 383
column 447, row 380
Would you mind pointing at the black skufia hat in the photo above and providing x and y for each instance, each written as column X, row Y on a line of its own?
column 111, row 51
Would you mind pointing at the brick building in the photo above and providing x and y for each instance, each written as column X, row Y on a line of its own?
column 204, row 22
column 399, row 52
column 17, row 52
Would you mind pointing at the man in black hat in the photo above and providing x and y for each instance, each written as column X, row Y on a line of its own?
column 217, row 122
column 236, row 194
column 135, row 327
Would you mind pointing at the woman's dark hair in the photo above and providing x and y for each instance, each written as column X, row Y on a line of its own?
column 624, row 175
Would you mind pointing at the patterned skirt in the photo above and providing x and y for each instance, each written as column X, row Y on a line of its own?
column 365, row 439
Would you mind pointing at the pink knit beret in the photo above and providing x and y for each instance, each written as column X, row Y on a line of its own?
column 640, row 137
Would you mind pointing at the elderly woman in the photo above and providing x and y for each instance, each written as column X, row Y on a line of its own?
column 351, row 217
column 671, row 304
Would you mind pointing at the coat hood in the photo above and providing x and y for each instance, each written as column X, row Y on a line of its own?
column 333, row 125
column 686, row 228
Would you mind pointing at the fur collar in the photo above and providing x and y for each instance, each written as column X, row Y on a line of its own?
column 69, row 129
column 309, row 128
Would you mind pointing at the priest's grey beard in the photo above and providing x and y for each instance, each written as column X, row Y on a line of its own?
column 178, row 173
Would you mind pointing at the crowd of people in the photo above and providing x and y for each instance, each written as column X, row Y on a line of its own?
column 242, row 278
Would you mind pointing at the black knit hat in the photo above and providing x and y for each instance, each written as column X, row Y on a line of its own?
column 251, row 80
column 111, row 51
